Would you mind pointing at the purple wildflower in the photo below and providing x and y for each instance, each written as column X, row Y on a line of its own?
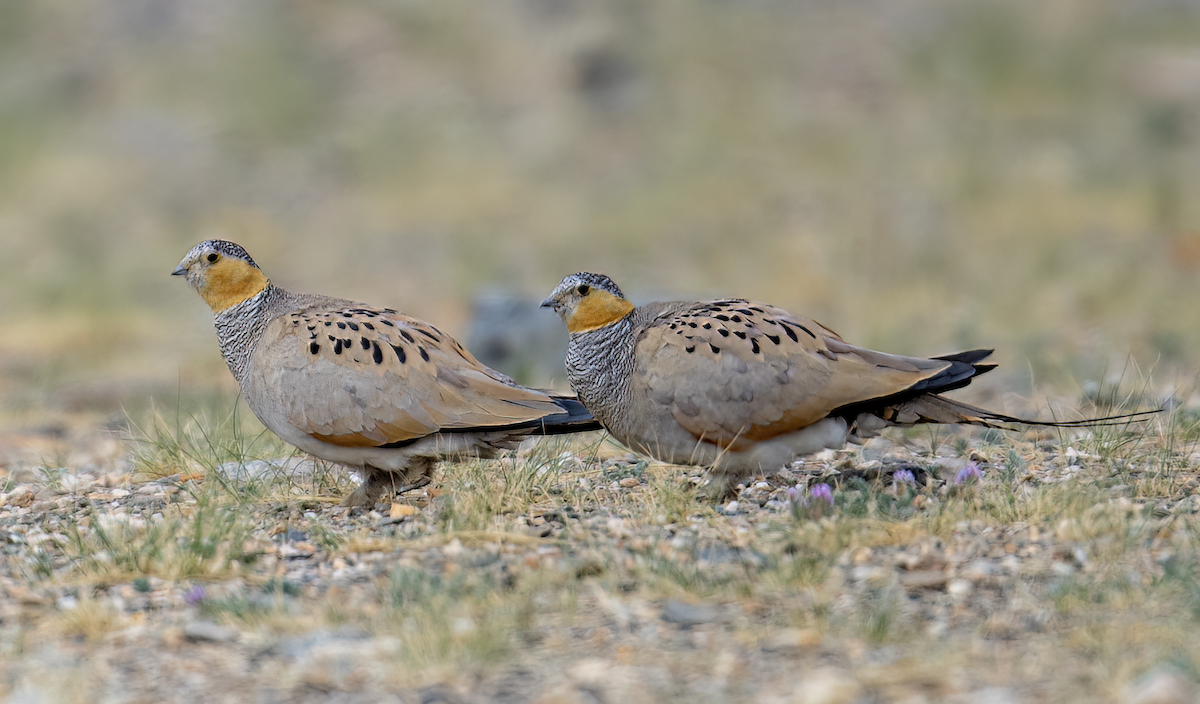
column 822, row 492
column 815, row 502
column 968, row 475
column 194, row 596
column 903, row 481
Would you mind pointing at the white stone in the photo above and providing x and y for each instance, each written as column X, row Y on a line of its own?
column 826, row 686
column 960, row 589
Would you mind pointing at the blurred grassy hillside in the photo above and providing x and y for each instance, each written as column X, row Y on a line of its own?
column 922, row 175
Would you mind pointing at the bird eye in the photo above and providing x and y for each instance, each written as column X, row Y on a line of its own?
column 583, row 289
column 212, row 257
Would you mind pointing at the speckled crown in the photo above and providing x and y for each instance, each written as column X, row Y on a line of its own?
column 599, row 281
column 229, row 249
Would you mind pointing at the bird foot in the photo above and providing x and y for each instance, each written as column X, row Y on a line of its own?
column 379, row 484
column 718, row 488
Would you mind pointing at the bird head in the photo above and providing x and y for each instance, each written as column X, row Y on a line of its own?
column 222, row 273
column 587, row 302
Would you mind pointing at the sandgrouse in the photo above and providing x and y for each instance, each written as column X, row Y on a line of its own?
column 744, row 387
column 369, row 388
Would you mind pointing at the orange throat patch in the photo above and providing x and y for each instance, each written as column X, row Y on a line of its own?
column 231, row 281
column 598, row 309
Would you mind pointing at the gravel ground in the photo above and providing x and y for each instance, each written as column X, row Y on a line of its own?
column 774, row 597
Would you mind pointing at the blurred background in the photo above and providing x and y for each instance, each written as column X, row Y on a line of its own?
column 921, row 175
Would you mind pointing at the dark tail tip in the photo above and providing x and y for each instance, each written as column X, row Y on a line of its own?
column 575, row 418
column 968, row 357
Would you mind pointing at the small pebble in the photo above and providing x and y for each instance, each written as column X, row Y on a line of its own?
column 977, row 570
column 687, row 614
column 923, row 579
column 960, row 588
column 826, row 686
column 207, row 631
column 792, row 639
column 994, row 695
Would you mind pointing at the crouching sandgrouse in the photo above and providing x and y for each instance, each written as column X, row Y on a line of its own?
column 744, row 387
column 369, row 388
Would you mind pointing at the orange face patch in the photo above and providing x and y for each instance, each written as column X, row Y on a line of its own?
column 598, row 309
column 229, row 282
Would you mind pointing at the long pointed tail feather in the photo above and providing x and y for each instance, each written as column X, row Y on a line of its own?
column 931, row 408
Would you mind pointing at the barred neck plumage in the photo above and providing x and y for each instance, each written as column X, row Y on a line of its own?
column 599, row 365
column 240, row 326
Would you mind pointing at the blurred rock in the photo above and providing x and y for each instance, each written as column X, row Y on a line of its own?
column 1160, row 686
column 438, row 694
column 977, row 570
column 923, row 579
column 960, row 588
column 512, row 334
column 792, row 639
column 607, row 79
column 688, row 614
column 993, row 695
column 826, row 686
column 209, row 631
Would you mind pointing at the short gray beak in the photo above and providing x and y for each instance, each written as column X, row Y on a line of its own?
column 179, row 271
column 548, row 303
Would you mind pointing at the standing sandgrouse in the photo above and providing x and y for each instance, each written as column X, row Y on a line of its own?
column 370, row 388
column 744, row 387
